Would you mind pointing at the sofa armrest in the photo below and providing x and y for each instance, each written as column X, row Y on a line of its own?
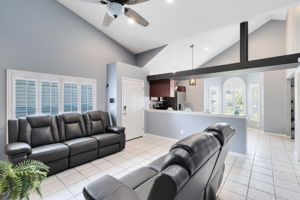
column 108, row 188
column 17, row 148
column 115, row 129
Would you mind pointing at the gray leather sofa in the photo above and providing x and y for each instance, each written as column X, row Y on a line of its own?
column 193, row 170
column 63, row 141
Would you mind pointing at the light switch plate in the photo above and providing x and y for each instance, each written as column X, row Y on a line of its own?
column 298, row 60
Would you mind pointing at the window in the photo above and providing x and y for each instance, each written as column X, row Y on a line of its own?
column 49, row 97
column 254, row 109
column 31, row 93
column 234, row 96
column 70, row 97
column 25, row 97
column 213, row 96
column 86, row 98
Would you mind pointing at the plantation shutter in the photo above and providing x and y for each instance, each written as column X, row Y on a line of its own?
column 70, row 97
column 31, row 93
column 25, row 97
column 49, row 97
column 87, row 97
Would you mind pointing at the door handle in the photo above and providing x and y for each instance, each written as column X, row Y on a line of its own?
column 124, row 108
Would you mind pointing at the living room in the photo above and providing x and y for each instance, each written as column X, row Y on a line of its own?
column 148, row 99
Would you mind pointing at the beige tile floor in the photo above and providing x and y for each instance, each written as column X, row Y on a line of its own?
column 266, row 172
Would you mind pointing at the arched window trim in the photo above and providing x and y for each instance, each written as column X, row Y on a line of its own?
column 242, row 82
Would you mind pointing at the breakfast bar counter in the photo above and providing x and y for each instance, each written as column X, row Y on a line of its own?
column 180, row 124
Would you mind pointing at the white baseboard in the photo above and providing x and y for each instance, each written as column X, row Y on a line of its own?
column 175, row 140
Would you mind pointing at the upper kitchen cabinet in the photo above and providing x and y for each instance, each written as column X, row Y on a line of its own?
column 162, row 88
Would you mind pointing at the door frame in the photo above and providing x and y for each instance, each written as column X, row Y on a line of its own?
column 139, row 81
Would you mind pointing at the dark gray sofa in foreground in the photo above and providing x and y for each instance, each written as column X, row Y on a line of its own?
column 63, row 141
column 192, row 170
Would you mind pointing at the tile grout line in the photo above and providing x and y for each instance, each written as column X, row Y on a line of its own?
column 225, row 179
column 291, row 163
column 273, row 175
column 257, row 140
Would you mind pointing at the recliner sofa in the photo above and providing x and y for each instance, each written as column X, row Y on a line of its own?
column 63, row 141
column 193, row 170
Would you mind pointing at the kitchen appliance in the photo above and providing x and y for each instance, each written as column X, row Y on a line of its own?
column 180, row 97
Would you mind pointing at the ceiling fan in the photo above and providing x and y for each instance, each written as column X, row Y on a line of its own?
column 116, row 8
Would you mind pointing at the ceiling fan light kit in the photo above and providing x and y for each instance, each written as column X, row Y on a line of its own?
column 116, row 8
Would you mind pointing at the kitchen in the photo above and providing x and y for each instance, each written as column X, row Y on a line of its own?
column 176, row 110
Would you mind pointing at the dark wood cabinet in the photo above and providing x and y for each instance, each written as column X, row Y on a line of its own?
column 162, row 88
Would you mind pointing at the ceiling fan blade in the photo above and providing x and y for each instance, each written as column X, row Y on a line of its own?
column 136, row 17
column 107, row 20
column 103, row 2
column 90, row 1
column 132, row 2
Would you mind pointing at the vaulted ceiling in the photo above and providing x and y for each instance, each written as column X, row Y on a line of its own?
column 173, row 21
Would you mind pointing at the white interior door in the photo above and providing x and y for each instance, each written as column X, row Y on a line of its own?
column 133, row 107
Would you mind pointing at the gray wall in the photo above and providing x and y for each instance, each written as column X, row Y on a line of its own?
column 275, row 101
column 143, row 58
column 179, row 125
column 293, row 31
column 267, row 41
column 116, row 72
column 43, row 36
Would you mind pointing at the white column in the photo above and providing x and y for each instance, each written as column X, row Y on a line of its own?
column 293, row 46
column 297, row 116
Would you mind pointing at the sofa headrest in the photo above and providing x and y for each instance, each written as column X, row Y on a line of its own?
column 192, row 152
column 71, row 117
column 39, row 121
column 95, row 115
column 222, row 131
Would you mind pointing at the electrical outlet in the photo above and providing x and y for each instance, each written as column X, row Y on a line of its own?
column 181, row 131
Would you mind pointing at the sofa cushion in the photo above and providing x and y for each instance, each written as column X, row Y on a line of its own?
column 97, row 127
column 71, row 126
column 50, row 153
column 96, row 122
column 38, row 130
column 106, row 139
column 138, row 177
column 81, row 145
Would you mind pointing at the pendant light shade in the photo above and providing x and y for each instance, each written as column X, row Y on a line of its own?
column 192, row 81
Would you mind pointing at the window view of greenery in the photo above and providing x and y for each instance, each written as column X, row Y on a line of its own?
column 254, row 111
column 213, row 99
column 234, row 96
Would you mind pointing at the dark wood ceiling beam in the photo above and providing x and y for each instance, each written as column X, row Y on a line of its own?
column 244, row 66
column 266, row 64
column 244, row 42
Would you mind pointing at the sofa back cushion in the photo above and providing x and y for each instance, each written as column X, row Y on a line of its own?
column 38, row 130
column 71, row 126
column 96, row 122
column 192, row 152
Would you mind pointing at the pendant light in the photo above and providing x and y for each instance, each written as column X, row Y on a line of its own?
column 192, row 81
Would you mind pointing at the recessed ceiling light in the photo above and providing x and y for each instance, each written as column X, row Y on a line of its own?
column 206, row 49
column 170, row 1
column 131, row 21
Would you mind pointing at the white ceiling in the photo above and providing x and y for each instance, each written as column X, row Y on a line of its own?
column 171, row 22
column 177, row 56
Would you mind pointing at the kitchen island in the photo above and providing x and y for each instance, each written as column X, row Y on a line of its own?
column 180, row 124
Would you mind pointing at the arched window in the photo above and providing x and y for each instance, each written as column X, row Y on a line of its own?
column 234, row 96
